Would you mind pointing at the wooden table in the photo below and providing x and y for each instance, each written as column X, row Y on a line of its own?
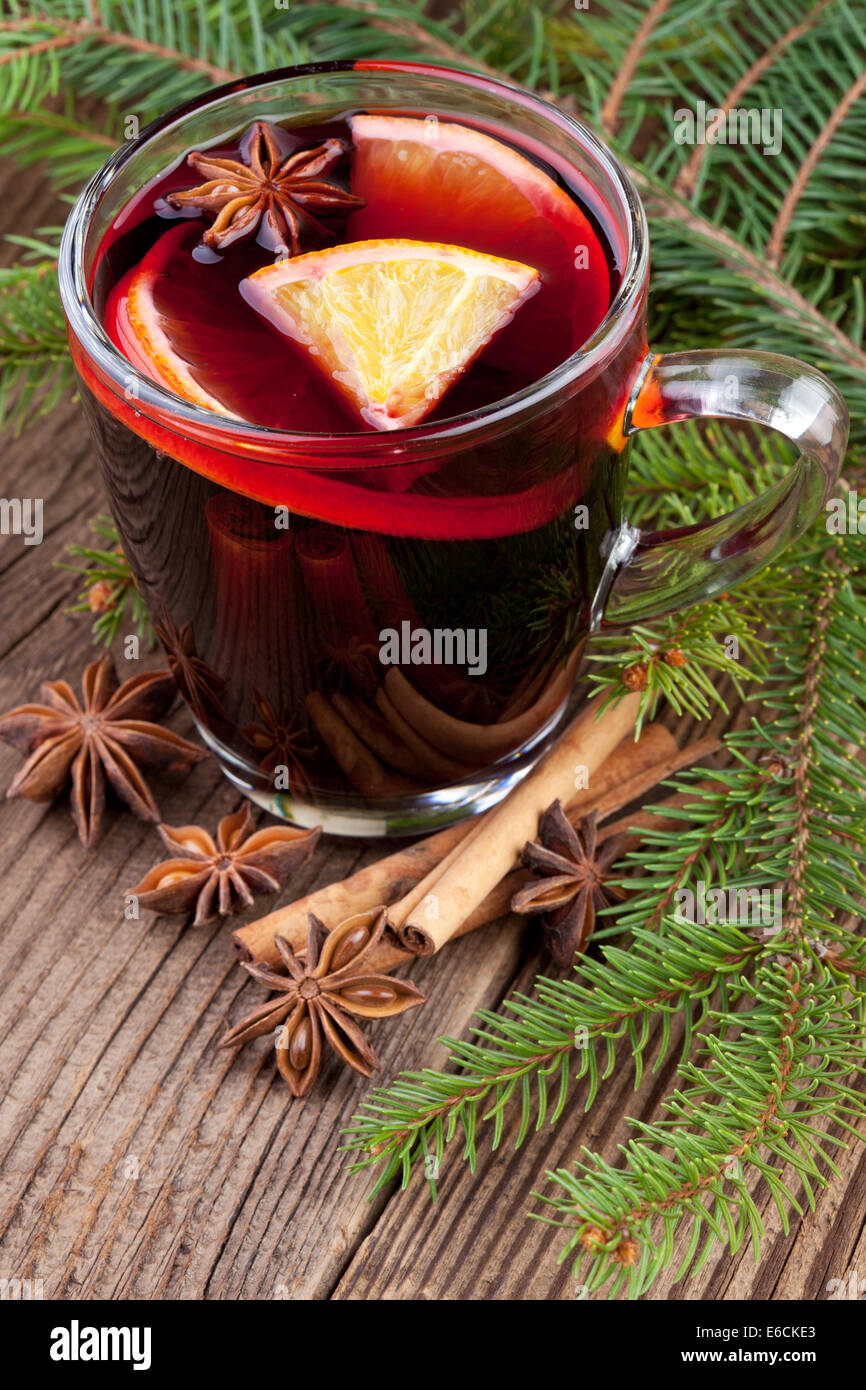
column 137, row 1160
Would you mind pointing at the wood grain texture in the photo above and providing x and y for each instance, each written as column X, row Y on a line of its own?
column 138, row 1161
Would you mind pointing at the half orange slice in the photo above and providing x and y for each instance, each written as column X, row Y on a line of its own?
column 391, row 324
column 442, row 181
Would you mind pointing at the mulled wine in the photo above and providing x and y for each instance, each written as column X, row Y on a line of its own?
column 388, row 178
column 368, row 600
column 362, row 344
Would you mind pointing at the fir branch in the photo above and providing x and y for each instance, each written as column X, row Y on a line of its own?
column 628, row 66
column 76, row 150
column 67, row 33
column 109, row 590
column 686, row 180
column 673, row 657
column 427, row 36
column 728, row 250
column 807, row 168
column 837, row 573
column 35, row 366
column 537, row 1040
column 776, row 1081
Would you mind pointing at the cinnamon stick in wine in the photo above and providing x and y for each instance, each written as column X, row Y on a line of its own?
column 254, row 578
column 326, row 562
column 432, row 765
column 373, row 730
column 458, row 738
column 361, row 767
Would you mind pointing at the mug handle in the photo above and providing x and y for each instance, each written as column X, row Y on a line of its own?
column 649, row 574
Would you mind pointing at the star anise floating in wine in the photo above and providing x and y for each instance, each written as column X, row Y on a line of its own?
column 106, row 736
column 571, row 884
column 269, row 189
column 320, row 996
column 221, row 877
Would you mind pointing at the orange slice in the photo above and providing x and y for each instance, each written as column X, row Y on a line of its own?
column 441, row 181
column 143, row 333
column 183, row 324
column 392, row 324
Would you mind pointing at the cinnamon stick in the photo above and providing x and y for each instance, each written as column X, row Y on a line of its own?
column 361, row 767
column 655, row 757
column 630, row 771
column 491, row 854
column 373, row 730
column 458, row 738
column 432, row 764
column 326, row 562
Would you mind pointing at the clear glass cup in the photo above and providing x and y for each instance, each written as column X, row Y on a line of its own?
column 511, row 522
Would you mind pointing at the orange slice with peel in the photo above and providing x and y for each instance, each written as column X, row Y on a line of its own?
column 443, row 181
column 391, row 324
column 183, row 324
column 143, row 333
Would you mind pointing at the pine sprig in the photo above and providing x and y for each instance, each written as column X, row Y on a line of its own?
column 35, row 367
column 672, row 658
column 109, row 591
column 764, row 1083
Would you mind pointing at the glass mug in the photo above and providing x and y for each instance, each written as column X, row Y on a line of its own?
column 381, row 632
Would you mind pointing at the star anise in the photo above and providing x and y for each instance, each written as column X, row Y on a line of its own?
column 107, row 735
column 571, row 887
column 321, row 995
column 198, row 683
column 354, row 663
column 279, row 742
column 268, row 189
column 220, row 877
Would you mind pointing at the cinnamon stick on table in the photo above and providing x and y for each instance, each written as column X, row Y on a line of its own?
column 630, row 772
column 447, row 899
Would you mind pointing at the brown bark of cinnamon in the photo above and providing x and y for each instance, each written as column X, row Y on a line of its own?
column 373, row 730
column 498, row 902
column 432, row 764
column 255, row 580
column 631, row 770
column 492, row 854
column 326, row 562
column 458, row 738
column 361, row 767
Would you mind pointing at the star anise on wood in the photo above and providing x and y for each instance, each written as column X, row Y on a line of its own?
column 221, row 876
column 267, row 188
column 321, row 995
column 571, row 884
column 106, row 736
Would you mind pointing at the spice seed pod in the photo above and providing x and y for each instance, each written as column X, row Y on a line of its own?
column 174, row 876
column 371, row 996
column 300, row 1045
column 349, row 947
